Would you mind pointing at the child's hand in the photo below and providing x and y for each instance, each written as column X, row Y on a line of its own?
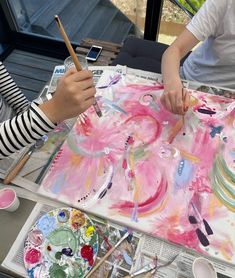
column 175, row 100
column 74, row 94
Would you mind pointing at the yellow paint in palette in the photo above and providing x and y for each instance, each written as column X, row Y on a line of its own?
column 89, row 231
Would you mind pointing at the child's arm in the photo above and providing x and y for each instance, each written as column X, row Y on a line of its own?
column 172, row 97
column 203, row 25
column 74, row 94
column 10, row 91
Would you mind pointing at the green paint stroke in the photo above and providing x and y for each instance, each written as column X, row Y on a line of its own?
column 223, row 182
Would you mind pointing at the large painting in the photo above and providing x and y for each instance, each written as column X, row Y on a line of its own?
column 143, row 167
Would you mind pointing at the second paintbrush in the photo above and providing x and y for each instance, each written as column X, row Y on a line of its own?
column 74, row 57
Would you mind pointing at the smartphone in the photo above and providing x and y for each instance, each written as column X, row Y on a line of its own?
column 94, row 53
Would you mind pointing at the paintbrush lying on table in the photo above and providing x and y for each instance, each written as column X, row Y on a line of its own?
column 74, row 57
column 108, row 254
column 13, row 172
column 150, row 269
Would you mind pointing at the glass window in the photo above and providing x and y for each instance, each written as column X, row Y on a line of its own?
column 173, row 22
column 109, row 20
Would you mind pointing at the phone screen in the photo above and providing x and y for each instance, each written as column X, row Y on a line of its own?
column 94, row 52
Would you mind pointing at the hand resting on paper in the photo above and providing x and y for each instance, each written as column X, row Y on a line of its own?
column 172, row 98
column 74, row 95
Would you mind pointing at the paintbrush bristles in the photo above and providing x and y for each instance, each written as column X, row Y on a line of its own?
column 68, row 44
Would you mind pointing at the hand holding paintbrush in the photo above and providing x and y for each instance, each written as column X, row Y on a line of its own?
column 74, row 57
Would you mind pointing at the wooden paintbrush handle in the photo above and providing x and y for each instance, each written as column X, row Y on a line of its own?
column 17, row 169
column 68, row 44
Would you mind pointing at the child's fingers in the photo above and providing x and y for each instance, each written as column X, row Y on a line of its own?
column 70, row 71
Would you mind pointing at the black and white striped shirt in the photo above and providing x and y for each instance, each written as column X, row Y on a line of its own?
column 29, row 122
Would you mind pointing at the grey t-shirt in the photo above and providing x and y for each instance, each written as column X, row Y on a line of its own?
column 213, row 62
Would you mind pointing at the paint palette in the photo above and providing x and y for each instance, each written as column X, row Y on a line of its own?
column 62, row 243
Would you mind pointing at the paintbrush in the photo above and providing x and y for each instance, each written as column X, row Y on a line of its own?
column 183, row 101
column 203, row 220
column 14, row 172
column 74, row 57
column 180, row 124
column 108, row 254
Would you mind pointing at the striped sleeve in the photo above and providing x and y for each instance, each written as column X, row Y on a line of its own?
column 11, row 93
column 23, row 130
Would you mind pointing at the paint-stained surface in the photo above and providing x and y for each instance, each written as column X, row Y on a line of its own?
column 139, row 165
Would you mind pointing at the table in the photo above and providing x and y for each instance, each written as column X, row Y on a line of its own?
column 108, row 54
column 13, row 222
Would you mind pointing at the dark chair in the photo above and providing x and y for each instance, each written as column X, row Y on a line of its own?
column 141, row 54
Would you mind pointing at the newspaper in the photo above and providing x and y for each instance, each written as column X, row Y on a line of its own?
column 142, row 250
column 96, row 70
column 182, row 266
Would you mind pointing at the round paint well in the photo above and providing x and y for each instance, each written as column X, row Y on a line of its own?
column 7, row 198
column 202, row 268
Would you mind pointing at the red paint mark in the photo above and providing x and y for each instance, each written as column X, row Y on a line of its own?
column 33, row 256
column 187, row 238
column 124, row 164
column 131, row 174
column 130, row 140
column 87, row 254
column 147, row 205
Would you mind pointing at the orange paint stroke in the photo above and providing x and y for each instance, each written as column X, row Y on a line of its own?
column 189, row 156
column 76, row 159
column 175, row 130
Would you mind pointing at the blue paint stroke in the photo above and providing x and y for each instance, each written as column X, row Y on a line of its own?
column 215, row 130
column 58, row 185
column 110, row 104
column 232, row 153
column 183, row 174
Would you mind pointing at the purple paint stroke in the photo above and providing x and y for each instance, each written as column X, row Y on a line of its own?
column 206, row 111
column 113, row 80
column 135, row 213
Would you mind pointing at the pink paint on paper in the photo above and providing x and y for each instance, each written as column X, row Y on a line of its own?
column 153, row 184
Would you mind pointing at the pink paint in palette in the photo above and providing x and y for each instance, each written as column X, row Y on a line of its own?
column 122, row 166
